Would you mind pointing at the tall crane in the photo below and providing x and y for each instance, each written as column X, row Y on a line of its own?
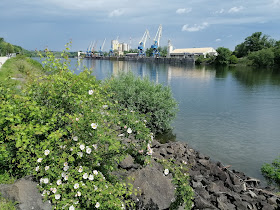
column 156, row 42
column 142, row 43
column 92, row 49
column 101, row 48
column 88, row 49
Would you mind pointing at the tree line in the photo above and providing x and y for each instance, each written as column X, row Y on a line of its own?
column 258, row 49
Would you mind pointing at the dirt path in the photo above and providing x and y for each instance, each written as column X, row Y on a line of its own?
column 3, row 60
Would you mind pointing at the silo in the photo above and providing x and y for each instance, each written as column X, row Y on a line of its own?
column 115, row 44
column 125, row 47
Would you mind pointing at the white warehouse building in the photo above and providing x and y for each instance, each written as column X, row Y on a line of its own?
column 182, row 53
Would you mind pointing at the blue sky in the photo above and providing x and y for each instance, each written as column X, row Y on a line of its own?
column 36, row 24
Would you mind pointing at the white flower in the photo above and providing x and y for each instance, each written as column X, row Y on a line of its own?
column 77, row 119
column 97, row 205
column 80, row 154
column 47, row 168
column 150, row 152
column 166, row 171
column 94, row 146
column 82, row 146
column 65, row 164
column 129, row 130
column 54, row 190
column 47, row 152
column 95, row 172
column 57, row 196
column 66, row 177
column 91, row 177
column 76, row 186
column 85, row 176
column 37, row 168
column 65, row 168
column 71, row 149
column 46, row 180
column 39, row 160
column 75, row 138
column 88, row 150
column 90, row 92
column 80, row 169
column 59, row 182
column 94, row 125
column 72, row 208
column 105, row 106
column 79, row 193
column 120, row 135
column 95, row 188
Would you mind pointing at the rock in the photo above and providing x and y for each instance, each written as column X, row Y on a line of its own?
column 25, row 192
column 252, row 194
column 272, row 200
column 201, row 203
column 204, row 162
column 202, row 192
column 154, row 186
column 127, row 163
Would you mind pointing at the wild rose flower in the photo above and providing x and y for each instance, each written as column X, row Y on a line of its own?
column 95, row 188
column 76, row 186
column 91, row 177
column 39, row 160
column 129, row 130
column 66, row 177
column 79, row 193
column 94, row 125
column 54, row 190
column 75, row 138
column 65, row 164
column 85, row 176
column 65, row 168
column 150, row 152
column 47, row 152
column 57, row 196
column 46, row 180
column 97, row 205
column 166, row 171
column 80, row 154
column 90, row 92
column 120, row 135
column 80, row 169
column 59, row 182
column 95, row 172
column 125, row 126
column 88, row 150
column 47, row 168
column 37, row 168
column 72, row 208
column 94, row 146
column 82, row 146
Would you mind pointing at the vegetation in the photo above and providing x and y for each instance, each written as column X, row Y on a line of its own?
column 224, row 55
column 153, row 100
column 69, row 132
column 272, row 171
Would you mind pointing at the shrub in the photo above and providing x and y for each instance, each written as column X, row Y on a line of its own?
column 155, row 101
column 233, row 59
column 223, row 56
column 272, row 171
column 264, row 57
column 62, row 130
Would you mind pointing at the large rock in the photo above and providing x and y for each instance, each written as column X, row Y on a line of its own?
column 25, row 192
column 154, row 186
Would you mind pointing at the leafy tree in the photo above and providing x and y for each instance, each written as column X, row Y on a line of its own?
column 149, row 52
column 9, row 48
column 223, row 56
column 163, row 51
column 264, row 57
column 199, row 59
column 272, row 171
column 1, row 39
column 233, row 59
column 240, row 50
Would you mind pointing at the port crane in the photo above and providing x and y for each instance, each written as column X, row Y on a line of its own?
column 92, row 48
column 142, row 43
column 89, row 49
column 101, row 48
column 156, row 42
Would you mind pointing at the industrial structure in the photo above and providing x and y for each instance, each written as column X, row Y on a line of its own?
column 101, row 48
column 182, row 53
column 142, row 43
column 156, row 42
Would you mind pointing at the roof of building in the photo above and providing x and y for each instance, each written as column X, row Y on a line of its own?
column 194, row 50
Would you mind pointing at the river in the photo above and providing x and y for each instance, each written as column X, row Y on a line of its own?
column 231, row 114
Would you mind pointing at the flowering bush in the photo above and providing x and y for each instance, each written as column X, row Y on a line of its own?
column 155, row 101
column 63, row 130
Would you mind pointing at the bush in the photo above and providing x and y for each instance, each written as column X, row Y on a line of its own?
column 272, row 171
column 223, row 56
column 62, row 130
column 155, row 101
column 233, row 59
column 264, row 57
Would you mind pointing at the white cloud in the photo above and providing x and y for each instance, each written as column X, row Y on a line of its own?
column 116, row 13
column 195, row 27
column 221, row 11
column 218, row 40
column 183, row 10
column 276, row 2
column 235, row 9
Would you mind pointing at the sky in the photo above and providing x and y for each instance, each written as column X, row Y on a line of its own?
column 37, row 24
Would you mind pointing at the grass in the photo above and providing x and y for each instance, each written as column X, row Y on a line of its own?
column 5, row 204
column 19, row 67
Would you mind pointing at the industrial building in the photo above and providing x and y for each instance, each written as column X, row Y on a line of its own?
column 182, row 53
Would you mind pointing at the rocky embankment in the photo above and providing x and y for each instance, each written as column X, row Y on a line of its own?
column 215, row 186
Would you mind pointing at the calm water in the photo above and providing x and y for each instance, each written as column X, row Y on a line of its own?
column 229, row 114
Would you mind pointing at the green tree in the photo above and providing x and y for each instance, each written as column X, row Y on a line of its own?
column 149, row 52
column 223, row 55
column 240, row 50
column 233, row 59
column 163, row 51
column 264, row 57
column 9, row 48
